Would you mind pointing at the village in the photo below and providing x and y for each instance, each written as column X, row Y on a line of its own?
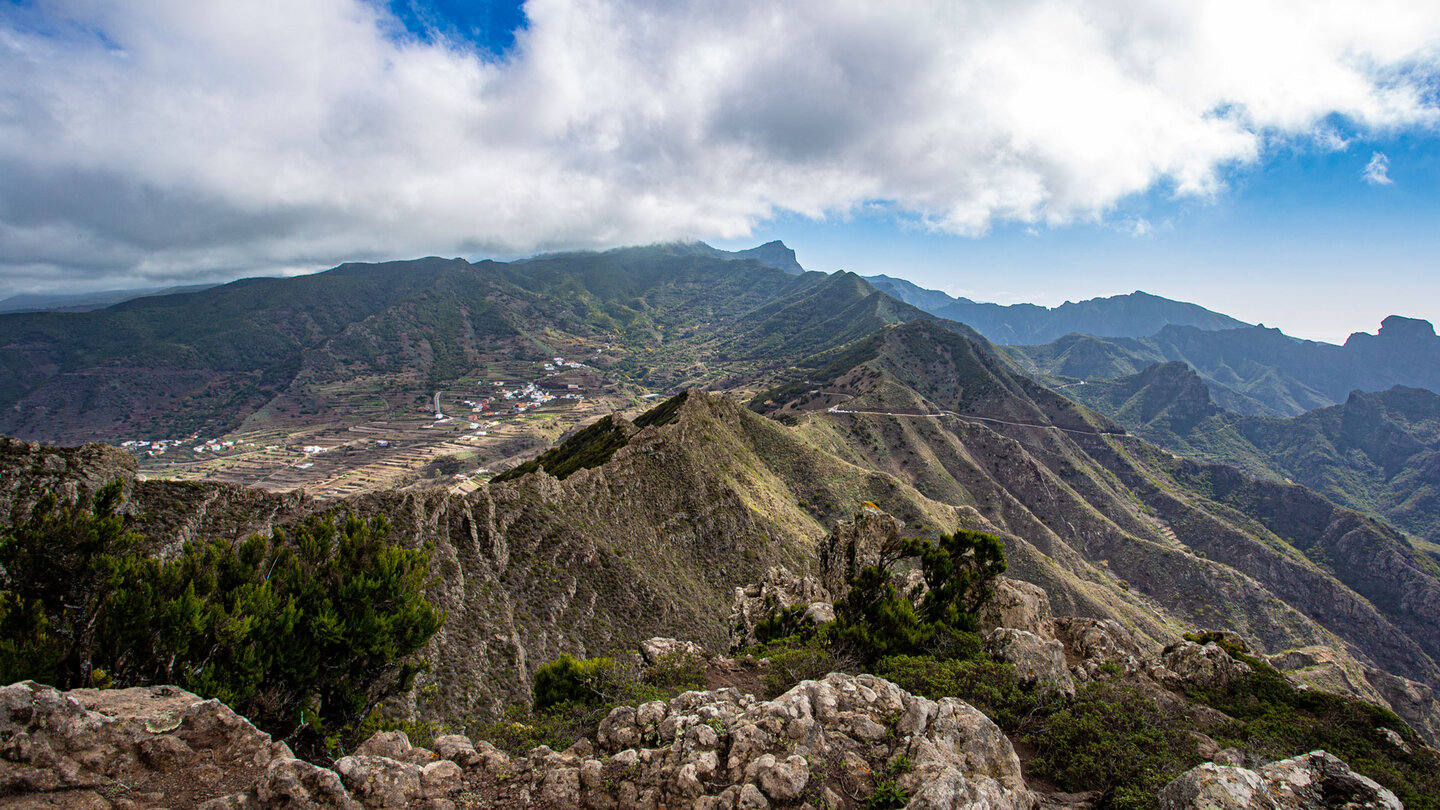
column 456, row 437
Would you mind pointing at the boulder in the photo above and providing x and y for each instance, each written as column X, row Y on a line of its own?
column 65, row 744
column 1100, row 647
column 1313, row 781
column 1017, row 604
column 1207, row 666
column 852, row 545
column 1039, row 662
column 654, row 649
column 378, row 781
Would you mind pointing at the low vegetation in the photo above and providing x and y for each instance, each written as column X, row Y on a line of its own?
column 303, row 633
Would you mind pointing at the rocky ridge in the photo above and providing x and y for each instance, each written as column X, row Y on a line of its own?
column 835, row 742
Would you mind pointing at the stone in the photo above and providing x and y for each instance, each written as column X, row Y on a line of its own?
column 778, row 590
column 852, row 545
column 1039, row 662
column 1313, row 781
column 1019, row 605
column 440, row 778
column 654, row 649
column 379, row 781
column 1207, row 666
column 1102, row 647
column 294, row 783
column 458, row 749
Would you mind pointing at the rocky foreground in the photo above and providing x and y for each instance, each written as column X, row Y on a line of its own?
column 835, row 743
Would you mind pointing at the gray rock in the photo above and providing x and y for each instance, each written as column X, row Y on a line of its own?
column 458, row 749
column 1038, row 661
column 1102, row 646
column 1017, row 604
column 1313, row 781
column 654, row 649
column 380, row 781
column 298, row 785
column 1206, row 666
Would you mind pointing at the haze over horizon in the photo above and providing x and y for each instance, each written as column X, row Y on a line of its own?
column 1276, row 162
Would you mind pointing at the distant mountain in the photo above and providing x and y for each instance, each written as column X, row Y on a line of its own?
column 1134, row 315
column 1377, row 452
column 772, row 254
column 1254, row 370
column 84, row 302
column 168, row 365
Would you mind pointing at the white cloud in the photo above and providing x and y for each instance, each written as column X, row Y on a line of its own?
column 1377, row 171
column 159, row 138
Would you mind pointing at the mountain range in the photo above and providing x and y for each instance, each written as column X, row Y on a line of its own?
column 1135, row 315
column 1377, row 452
column 798, row 401
column 1254, row 370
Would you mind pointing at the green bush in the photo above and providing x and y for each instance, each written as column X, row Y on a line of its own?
column 876, row 620
column 304, row 635
column 567, row 679
column 1275, row 720
column 794, row 659
column 55, row 568
column 1114, row 738
column 993, row 687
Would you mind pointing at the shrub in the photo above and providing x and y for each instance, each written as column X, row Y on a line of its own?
column 567, row 679
column 304, row 635
column 993, row 687
column 795, row 659
column 1113, row 738
column 876, row 620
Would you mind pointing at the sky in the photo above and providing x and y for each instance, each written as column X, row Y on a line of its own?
column 1276, row 161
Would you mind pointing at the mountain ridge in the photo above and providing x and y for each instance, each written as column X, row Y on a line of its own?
column 1135, row 314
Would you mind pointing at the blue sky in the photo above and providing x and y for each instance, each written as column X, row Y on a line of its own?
column 1278, row 161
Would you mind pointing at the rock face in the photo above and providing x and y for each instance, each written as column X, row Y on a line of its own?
column 1039, row 662
column 1313, row 781
column 156, row 746
column 779, row 589
column 838, row 735
column 1206, row 666
column 1018, row 604
column 844, row 736
column 1100, row 644
column 852, row 545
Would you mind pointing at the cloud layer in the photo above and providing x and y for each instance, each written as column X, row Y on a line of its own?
column 160, row 139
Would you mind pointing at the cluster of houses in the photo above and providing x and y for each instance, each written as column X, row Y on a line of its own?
column 160, row 446
column 559, row 363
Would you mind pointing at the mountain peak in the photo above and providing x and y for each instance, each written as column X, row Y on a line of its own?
column 1398, row 326
column 774, row 254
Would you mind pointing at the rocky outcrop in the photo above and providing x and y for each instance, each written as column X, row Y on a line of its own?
column 1102, row 646
column 821, row 740
column 1207, row 666
column 854, row 544
column 832, row 742
column 1018, row 604
column 1039, row 662
column 779, row 589
column 156, row 746
column 1414, row 702
column 1314, row 781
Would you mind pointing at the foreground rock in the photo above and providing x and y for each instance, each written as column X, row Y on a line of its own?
column 832, row 742
column 1313, row 781
column 153, row 747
